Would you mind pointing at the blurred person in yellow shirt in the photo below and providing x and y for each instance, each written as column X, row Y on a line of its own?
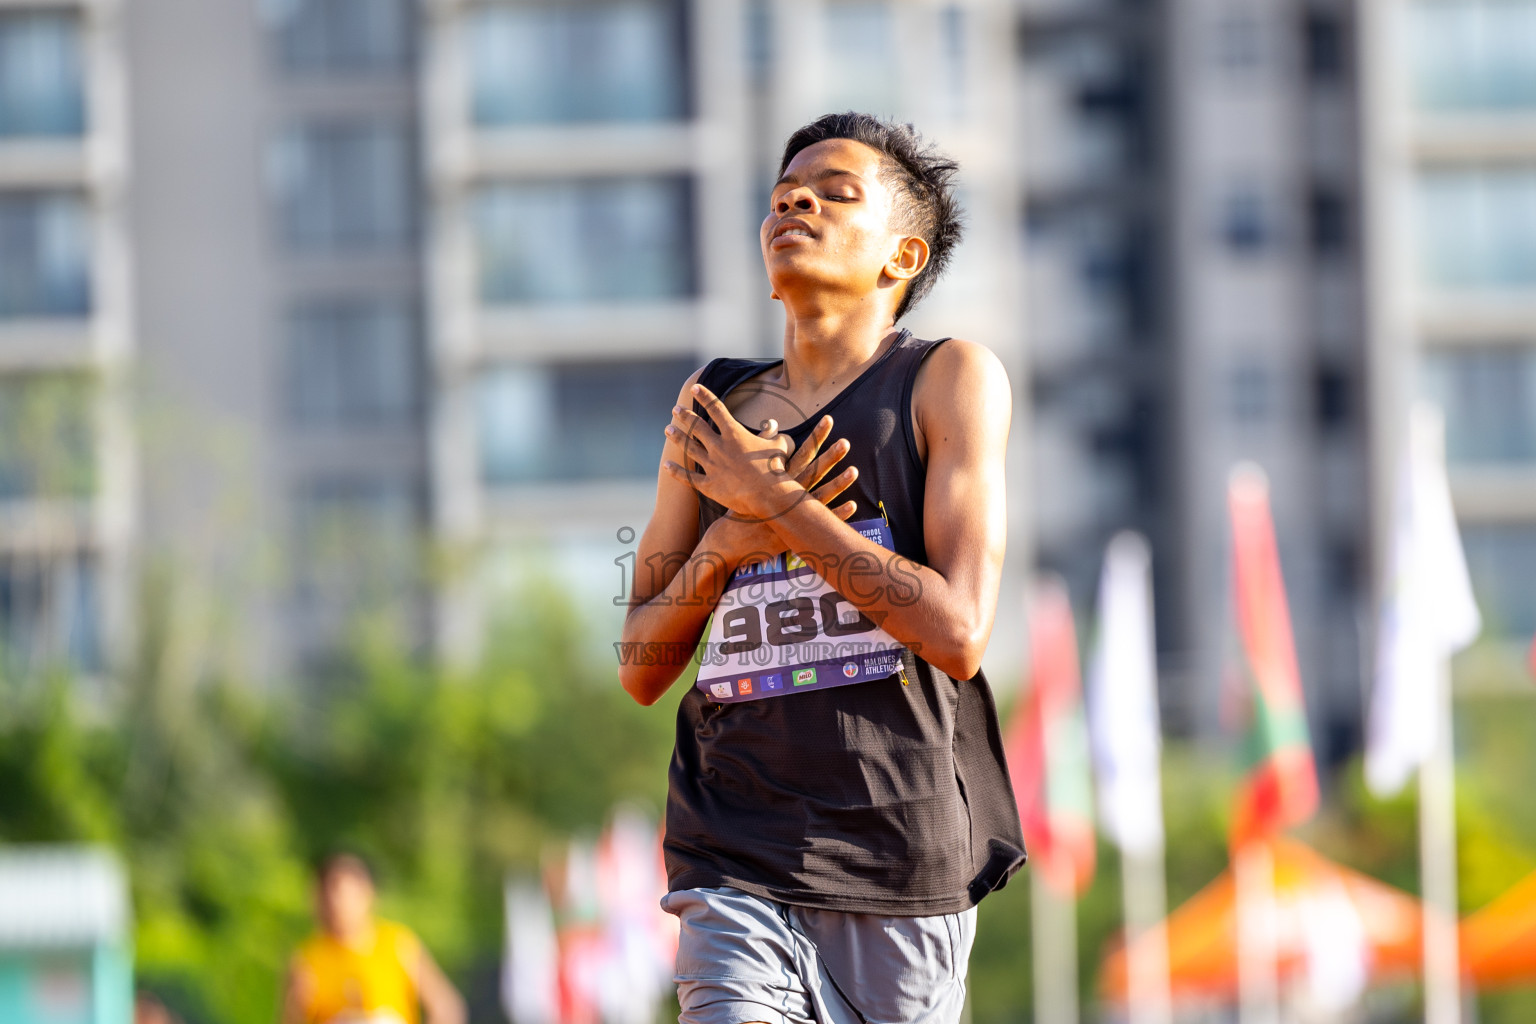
column 361, row 969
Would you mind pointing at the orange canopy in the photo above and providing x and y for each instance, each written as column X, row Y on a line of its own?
column 1498, row 943
column 1318, row 905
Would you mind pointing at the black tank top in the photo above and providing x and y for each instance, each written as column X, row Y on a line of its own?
column 878, row 797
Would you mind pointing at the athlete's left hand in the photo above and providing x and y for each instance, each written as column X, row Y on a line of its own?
column 742, row 470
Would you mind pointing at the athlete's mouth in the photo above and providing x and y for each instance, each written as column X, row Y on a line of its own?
column 791, row 228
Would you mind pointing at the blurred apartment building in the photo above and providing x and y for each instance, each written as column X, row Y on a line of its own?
column 598, row 172
column 1191, row 173
column 1452, row 174
column 380, row 303
column 67, row 504
column 335, row 283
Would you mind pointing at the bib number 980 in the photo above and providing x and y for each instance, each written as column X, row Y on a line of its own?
column 792, row 621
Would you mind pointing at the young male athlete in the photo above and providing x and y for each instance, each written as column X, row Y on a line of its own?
column 838, row 799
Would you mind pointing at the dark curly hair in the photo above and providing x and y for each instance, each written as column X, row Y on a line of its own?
column 922, row 179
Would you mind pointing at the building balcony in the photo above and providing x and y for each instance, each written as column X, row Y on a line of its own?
column 46, row 343
column 1495, row 494
column 1475, row 137
column 571, row 149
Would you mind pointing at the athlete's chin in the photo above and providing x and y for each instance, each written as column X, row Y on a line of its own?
column 791, row 272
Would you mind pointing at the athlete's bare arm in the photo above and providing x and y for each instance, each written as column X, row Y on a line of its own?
column 962, row 406
column 296, row 989
column 440, row 1000
column 680, row 575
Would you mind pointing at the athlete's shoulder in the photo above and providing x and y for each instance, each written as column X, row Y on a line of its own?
column 397, row 935
column 316, row 943
column 961, row 369
column 965, row 355
column 712, row 370
column 693, row 378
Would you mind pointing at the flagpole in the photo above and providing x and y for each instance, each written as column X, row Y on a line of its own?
column 1437, row 864
column 1258, row 984
column 1127, row 744
column 1145, row 894
column 1053, row 938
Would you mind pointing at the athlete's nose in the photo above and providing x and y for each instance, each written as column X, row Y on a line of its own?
column 802, row 199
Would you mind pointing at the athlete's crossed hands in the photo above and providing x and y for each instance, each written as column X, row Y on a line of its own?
column 757, row 476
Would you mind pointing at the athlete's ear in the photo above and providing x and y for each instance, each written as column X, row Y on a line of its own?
column 908, row 260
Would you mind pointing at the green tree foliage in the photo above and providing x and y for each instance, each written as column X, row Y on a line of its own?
column 219, row 798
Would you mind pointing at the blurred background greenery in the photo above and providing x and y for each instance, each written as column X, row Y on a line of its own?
column 220, row 796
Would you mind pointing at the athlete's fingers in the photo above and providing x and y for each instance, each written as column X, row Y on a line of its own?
column 692, row 444
column 823, row 465
column 846, row 510
column 689, row 422
column 714, row 407
column 837, row 485
column 808, row 451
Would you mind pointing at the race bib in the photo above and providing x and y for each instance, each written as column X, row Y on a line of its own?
column 781, row 628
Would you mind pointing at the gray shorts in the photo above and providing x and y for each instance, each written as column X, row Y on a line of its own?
column 742, row 958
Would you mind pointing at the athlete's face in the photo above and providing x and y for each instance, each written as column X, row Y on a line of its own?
column 830, row 225
column 344, row 900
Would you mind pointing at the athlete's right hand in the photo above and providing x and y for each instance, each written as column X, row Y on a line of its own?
column 737, row 539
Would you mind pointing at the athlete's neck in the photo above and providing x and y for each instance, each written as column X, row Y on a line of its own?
column 355, row 934
column 829, row 348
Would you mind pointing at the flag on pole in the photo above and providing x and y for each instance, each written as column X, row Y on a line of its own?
column 1047, row 748
column 1428, row 613
column 641, row 937
column 1280, row 788
column 1122, row 700
column 530, row 972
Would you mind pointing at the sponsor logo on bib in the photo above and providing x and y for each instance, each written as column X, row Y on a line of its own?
column 773, row 681
column 805, row 677
column 721, row 690
column 743, row 686
column 850, row 669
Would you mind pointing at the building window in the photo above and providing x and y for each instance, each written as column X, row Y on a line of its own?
column 952, row 27
column 1332, row 402
column 1488, row 394
column 50, row 611
column 41, row 81
column 1251, row 392
column 47, row 437
column 1239, row 42
column 585, row 240
column 1477, row 227
column 357, row 538
column 1326, row 46
column 1100, row 89
column 576, row 421
column 759, row 41
column 44, row 254
column 1471, row 54
column 1342, row 570
column 1328, row 221
column 860, row 61
column 343, row 35
column 1246, row 226
column 611, row 60
column 346, row 185
column 1501, row 559
column 354, row 364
